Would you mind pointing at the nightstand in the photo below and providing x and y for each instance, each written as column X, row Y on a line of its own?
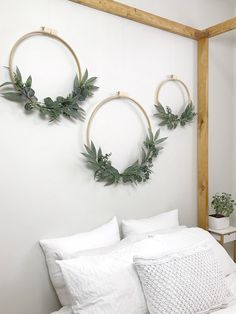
column 225, row 236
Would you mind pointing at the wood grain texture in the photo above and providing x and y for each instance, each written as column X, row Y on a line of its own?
column 143, row 17
column 203, row 52
column 221, row 28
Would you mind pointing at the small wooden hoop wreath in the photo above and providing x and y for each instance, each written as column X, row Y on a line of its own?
column 173, row 78
column 43, row 32
column 119, row 95
column 166, row 116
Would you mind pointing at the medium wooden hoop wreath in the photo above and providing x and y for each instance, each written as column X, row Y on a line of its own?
column 101, row 164
column 119, row 95
column 167, row 117
column 43, row 32
column 69, row 106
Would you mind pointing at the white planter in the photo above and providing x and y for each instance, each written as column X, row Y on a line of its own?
column 218, row 223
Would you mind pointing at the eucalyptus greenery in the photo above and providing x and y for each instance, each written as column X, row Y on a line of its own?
column 138, row 172
column 70, row 107
column 223, row 204
column 171, row 120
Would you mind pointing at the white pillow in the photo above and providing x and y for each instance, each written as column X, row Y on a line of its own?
column 188, row 282
column 105, row 235
column 162, row 221
column 102, row 250
column 108, row 283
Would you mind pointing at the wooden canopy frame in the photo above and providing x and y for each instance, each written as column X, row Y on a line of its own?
column 202, row 37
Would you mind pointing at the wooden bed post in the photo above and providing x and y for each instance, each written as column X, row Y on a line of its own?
column 203, row 51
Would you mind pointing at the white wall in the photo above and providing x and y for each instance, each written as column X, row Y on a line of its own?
column 45, row 190
column 220, row 114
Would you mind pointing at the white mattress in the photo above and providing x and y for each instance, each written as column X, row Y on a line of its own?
column 231, row 280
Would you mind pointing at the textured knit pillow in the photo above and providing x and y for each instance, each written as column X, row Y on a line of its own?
column 187, row 282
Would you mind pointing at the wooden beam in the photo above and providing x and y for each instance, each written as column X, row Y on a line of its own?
column 143, row 17
column 221, row 28
column 203, row 52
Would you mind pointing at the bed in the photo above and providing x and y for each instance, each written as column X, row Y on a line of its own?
column 159, row 267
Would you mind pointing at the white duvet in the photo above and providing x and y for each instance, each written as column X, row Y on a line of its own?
column 231, row 280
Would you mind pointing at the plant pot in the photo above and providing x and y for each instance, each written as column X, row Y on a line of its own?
column 218, row 222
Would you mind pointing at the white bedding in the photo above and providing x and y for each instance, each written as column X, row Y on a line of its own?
column 231, row 280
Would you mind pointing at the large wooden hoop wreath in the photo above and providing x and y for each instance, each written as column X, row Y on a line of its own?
column 166, row 116
column 23, row 92
column 101, row 164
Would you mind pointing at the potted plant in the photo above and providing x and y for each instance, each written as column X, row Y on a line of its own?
column 223, row 204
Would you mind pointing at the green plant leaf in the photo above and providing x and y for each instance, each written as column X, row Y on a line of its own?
column 85, row 77
column 18, row 74
column 12, row 96
column 6, row 84
column 76, row 83
column 161, row 140
column 91, row 80
column 29, row 81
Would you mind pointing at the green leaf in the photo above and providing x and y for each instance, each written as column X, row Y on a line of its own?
column 99, row 152
column 161, row 140
column 85, row 77
column 93, row 87
column 76, row 83
column 93, row 149
column 48, row 102
column 157, row 134
column 12, row 96
column 31, row 93
column 163, row 123
column 29, row 81
column 6, row 83
column 150, row 134
column 91, row 80
column 160, row 108
column 18, row 74
column 88, row 149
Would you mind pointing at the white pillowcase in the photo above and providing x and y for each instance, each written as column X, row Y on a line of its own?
column 188, row 282
column 106, row 284
column 103, row 236
column 162, row 221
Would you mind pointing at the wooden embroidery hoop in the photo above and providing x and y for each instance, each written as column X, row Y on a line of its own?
column 173, row 78
column 119, row 95
column 44, row 31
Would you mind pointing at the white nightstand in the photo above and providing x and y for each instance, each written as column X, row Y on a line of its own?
column 225, row 236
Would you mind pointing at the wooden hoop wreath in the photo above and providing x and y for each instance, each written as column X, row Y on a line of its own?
column 101, row 164
column 166, row 116
column 23, row 92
